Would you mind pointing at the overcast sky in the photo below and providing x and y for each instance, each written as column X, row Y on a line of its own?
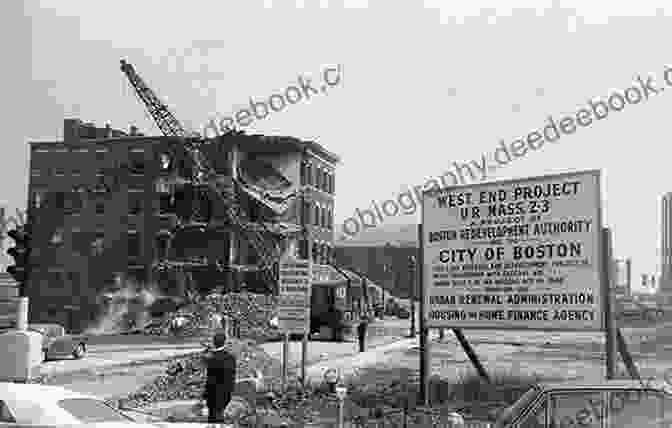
column 424, row 85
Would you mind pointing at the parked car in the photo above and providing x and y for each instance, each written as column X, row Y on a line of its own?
column 56, row 343
column 32, row 405
column 624, row 403
column 629, row 309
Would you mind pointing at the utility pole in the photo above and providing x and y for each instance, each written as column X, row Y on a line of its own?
column 411, row 270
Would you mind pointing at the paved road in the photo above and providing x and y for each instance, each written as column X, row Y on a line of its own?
column 106, row 370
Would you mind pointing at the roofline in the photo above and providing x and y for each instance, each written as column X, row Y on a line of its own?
column 157, row 138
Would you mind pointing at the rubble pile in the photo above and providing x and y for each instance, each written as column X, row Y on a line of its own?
column 185, row 376
column 251, row 312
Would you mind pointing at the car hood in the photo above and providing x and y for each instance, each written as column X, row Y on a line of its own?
column 131, row 424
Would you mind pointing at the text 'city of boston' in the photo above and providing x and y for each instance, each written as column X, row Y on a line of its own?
column 543, row 251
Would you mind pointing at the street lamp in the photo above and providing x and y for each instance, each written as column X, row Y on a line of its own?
column 411, row 269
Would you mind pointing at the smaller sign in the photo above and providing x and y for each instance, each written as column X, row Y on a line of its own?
column 8, row 312
column 295, row 283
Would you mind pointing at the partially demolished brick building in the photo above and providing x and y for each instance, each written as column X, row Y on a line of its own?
column 107, row 205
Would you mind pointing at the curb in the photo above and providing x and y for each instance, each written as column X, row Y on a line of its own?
column 94, row 371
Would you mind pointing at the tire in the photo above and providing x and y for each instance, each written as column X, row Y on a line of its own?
column 79, row 352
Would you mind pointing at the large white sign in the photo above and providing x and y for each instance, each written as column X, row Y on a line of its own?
column 521, row 254
column 294, row 298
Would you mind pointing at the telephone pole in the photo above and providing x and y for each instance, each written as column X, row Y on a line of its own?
column 411, row 270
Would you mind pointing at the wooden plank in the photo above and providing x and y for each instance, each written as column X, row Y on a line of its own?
column 625, row 354
column 471, row 354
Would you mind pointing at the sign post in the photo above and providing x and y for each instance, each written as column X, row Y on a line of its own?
column 609, row 294
column 521, row 254
column 295, row 280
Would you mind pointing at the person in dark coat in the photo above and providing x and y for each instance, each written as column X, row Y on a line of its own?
column 361, row 332
column 221, row 378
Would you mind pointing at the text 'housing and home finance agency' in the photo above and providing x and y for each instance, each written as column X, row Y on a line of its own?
column 514, row 254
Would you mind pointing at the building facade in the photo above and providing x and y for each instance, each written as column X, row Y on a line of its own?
column 105, row 205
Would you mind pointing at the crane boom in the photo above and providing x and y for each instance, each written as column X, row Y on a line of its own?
column 204, row 176
column 164, row 118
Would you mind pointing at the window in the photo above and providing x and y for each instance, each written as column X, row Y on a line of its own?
column 75, row 283
column 5, row 414
column 88, row 410
column 59, row 199
column 327, row 182
column 303, row 249
column 37, row 199
column 166, row 203
column 333, row 184
column 77, row 198
column 100, row 172
column 316, row 215
column 133, row 245
column 327, row 254
column 79, row 242
column 100, row 207
column 57, row 237
column 305, row 214
column 35, row 172
column 134, row 204
column 303, row 173
column 323, row 253
column 318, row 178
column 137, row 163
column 579, row 408
column 76, row 172
column 100, row 154
column 323, row 221
column 309, row 174
column 59, row 172
column 635, row 408
column 98, row 244
column 330, row 219
column 55, row 279
column 162, row 243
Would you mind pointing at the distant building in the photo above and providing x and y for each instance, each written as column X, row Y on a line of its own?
column 665, row 283
column 104, row 204
column 386, row 265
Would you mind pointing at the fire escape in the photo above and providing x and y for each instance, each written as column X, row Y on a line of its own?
column 210, row 193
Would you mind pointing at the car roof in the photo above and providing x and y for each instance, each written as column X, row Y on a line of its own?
column 36, row 392
column 607, row 384
column 43, row 325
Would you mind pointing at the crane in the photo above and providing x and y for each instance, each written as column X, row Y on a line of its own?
column 204, row 177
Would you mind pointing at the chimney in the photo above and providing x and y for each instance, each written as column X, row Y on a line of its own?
column 134, row 130
column 108, row 130
column 71, row 130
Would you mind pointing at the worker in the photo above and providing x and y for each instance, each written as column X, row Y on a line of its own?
column 361, row 331
column 221, row 378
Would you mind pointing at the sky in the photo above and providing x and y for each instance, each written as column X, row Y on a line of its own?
column 424, row 84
